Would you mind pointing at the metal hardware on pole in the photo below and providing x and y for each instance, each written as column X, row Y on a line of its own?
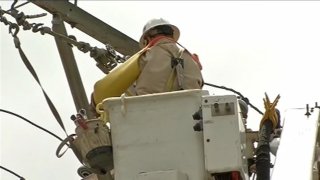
column 90, row 25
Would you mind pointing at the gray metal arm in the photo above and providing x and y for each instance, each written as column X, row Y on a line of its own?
column 90, row 25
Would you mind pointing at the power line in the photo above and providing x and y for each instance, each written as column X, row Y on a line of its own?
column 14, row 29
column 238, row 93
column 18, row 6
column 21, row 178
column 28, row 121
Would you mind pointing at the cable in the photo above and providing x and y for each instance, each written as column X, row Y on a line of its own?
column 16, row 7
column 14, row 29
column 13, row 4
column 238, row 93
column 21, row 178
column 263, row 151
column 28, row 121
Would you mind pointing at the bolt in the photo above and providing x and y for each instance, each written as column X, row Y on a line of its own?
column 307, row 113
column 216, row 107
column 73, row 117
column 228, row 108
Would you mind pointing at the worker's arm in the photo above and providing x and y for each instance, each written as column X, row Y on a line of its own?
column 118, row 80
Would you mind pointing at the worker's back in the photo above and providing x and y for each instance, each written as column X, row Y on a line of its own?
column 157, row 67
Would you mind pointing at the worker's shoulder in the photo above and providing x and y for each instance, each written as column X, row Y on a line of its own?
column 166, row 45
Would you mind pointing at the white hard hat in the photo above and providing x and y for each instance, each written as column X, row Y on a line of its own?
column 158, row 22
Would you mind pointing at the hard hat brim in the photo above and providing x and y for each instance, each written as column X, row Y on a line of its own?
column 176, row 33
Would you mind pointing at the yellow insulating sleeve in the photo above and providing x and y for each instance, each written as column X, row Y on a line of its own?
column 118, row 80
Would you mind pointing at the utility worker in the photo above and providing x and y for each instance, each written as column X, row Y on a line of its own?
column 161, row 65
column 166, row 66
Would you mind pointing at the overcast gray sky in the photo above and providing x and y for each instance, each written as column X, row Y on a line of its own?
column 252, row 47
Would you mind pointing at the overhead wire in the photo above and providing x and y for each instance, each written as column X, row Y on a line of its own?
column 238, row 93
column 30, row 122
column 85, row 47
column 13, row 4
column 8, row 170
column 106, row 58
column 15, row 27
column 20, row 5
